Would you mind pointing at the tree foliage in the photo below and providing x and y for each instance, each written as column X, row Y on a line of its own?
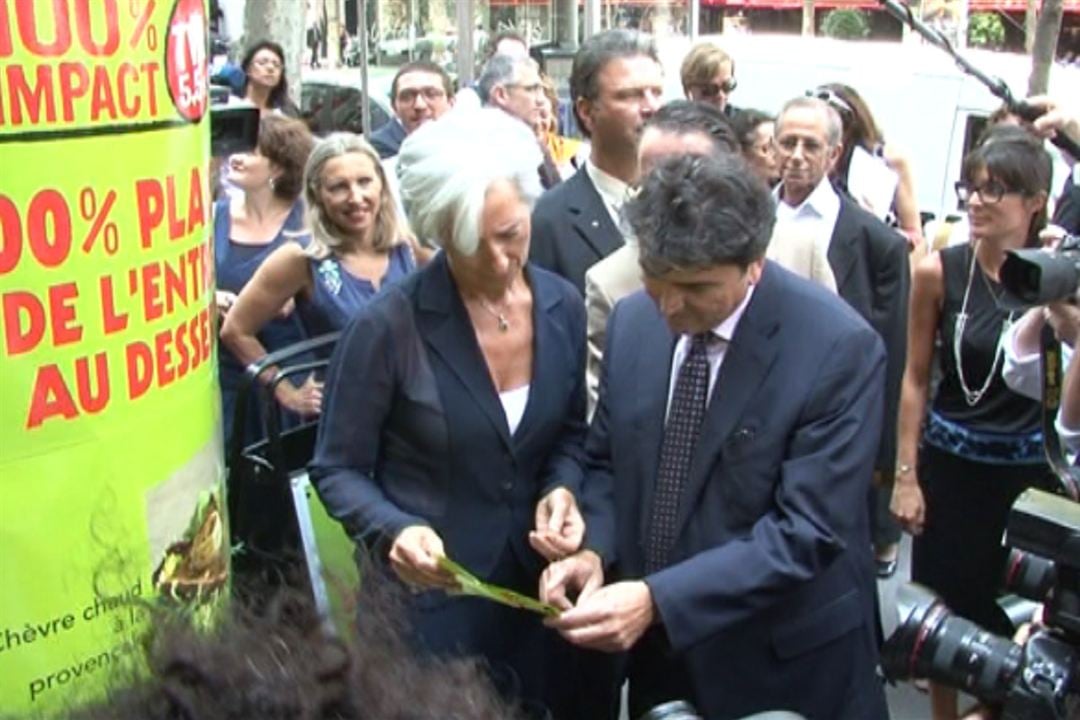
column 986, row 30
column 846, row 24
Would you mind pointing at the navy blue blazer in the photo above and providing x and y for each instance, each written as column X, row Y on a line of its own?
column 768, row 599
column 413, row 432
column 572, row 229
column 869, row 260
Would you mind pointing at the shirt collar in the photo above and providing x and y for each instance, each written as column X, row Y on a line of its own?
column 726, row 329
column 611, row 188
column 822, row 201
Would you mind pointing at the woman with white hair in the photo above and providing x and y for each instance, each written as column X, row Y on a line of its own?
column 455, row 409
column 357, row 245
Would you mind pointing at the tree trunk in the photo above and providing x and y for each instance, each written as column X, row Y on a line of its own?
column 278, row 20
column 335, row 19
column 808, row 18
column 1042, row 53
column 1031, row 16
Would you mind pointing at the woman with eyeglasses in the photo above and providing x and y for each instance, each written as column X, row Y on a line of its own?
column 265, row 86
column 980, row 446
column 861, row 131
column 357, row 246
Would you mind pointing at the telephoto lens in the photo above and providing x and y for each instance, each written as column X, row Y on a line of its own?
column 933, row 643
column 1029, row 575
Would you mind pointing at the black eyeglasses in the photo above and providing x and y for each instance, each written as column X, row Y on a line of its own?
column 990, row 193
column 711, row 90
column 831, row 99
column 409, row 96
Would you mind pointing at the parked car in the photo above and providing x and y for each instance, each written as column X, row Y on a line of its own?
column 332, row 101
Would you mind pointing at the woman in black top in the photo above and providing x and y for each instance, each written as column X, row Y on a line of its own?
column 980, row 446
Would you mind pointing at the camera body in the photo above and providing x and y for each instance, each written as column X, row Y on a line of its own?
column 234, row 128
column 1036, row 277
column 1039, row 680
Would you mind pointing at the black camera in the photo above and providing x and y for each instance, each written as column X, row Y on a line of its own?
column 233, row 128
column 1036, row 277
column 1039, row 680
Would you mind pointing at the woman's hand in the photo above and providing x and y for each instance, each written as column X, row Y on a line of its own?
column 305, row 400
column 560, row 528
column 414, row 556
column 907, row 505
column 224, row 301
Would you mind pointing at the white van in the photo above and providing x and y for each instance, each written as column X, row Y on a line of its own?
column 920, row 99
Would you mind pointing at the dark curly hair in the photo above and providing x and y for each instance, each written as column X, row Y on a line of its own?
column 281, row 663
column 287, row 143
column 695, row 212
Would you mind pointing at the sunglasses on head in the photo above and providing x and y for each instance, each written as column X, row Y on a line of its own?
column 711, row 90
column 831, row 99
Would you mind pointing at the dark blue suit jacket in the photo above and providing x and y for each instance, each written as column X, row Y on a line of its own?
column 870, row 262
column 572, row 229
column 768, row 600
column 413, row 432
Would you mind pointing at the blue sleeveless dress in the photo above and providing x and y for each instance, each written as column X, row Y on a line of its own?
column 234, row 265
column 338, row 294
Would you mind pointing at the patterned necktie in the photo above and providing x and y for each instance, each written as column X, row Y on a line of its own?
column 681, row 432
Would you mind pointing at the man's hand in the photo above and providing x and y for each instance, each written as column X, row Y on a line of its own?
column 1064, row 317
column 579, row 575
column 1055, row 118
column 559, row 525
column 611, row 619
column 414, row 557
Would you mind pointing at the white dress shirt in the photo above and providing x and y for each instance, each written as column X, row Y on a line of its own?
column 1023, row 375
column 613, row 191
column 715, row 351
column 816, row 214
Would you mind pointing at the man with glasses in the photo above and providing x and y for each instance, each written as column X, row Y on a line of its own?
column 708, row 76
column 615, row 84
column 420, row 91
column 511, row 83
column 868, row 258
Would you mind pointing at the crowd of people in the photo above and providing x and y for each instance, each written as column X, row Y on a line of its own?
column 677, row 378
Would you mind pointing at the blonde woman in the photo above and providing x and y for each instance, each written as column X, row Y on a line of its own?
column 357, row 246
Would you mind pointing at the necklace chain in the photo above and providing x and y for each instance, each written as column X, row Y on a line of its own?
column 504, row 324
column 972, row 397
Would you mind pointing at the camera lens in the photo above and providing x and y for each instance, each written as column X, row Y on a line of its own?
column 933, row 643
column 1029, row 575
column 674, row 710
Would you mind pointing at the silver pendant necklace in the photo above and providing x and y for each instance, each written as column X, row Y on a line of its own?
column 500, row 317
column 972, row 397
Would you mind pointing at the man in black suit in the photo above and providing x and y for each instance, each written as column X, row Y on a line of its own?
column 616, row 83
column 728, row 465
column 868, row 258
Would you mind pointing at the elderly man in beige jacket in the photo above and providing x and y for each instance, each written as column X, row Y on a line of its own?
column 680, row 127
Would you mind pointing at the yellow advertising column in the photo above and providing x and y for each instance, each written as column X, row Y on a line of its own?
column 110, row 457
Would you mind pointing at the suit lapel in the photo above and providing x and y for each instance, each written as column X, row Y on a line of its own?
column 842, row 253
column 590, row 217
column 550, row 338
column 450, row 335
column 747, row 361
column 654, row 352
